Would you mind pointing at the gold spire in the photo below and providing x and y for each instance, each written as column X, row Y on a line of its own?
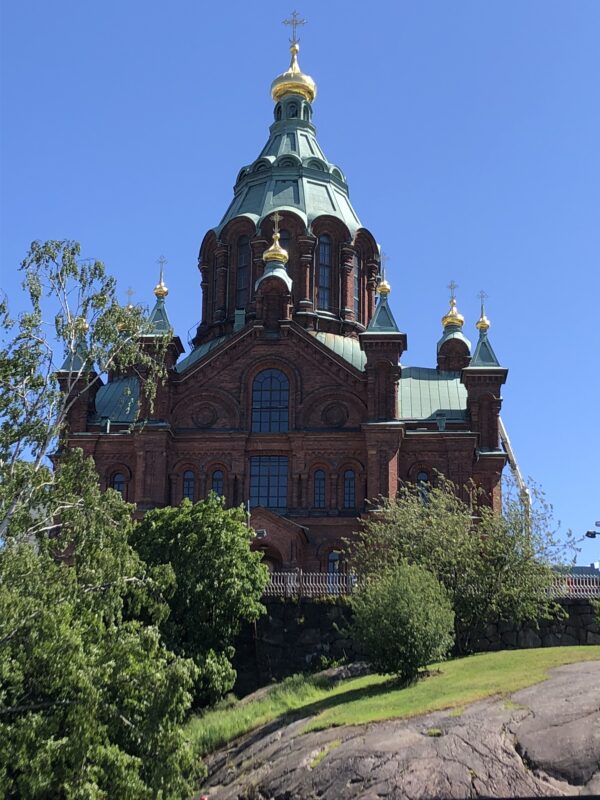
column 453, row 317
column 483, row 323
column 383, row 287
column 160, row 290
column 276, row 251
column 294, row 80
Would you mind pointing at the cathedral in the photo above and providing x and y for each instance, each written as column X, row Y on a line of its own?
column 295, row 400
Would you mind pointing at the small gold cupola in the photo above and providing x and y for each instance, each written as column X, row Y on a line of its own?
column 453, row 317
column 483, row 323
column 276, row 252
column 160, row 290
column 293, row 80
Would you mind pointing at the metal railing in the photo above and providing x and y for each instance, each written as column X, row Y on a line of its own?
column 335, row 584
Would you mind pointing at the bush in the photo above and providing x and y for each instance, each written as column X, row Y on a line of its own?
column 403, row 620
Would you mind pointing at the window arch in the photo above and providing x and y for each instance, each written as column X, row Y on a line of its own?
column 270, row 401
column 243, row 272
column 349, row 489
column 324, row 273
column 218, row 482
column 189, row 485
column 319, row 489
column 118, row 482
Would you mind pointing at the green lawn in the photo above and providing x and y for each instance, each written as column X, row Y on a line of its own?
column 376, row 697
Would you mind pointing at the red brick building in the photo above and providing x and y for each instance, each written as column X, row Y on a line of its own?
column 293, row 398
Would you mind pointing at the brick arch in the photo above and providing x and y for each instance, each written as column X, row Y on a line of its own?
column 252, row 369
column 226, row 408
column 309, row 414
column 115, row 468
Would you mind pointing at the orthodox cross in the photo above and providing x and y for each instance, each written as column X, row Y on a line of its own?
column 294, row 22
column 383, row 261
column 129, row 294
column 276, row 217
column 161, row 262
column 452, row 286
column 483, row 297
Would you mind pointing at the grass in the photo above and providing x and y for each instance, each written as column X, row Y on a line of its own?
column 324, row 751
column 377, row 697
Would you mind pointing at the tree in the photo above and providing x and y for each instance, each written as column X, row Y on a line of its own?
column 403, row 620
column 493, row 566
column 218, row 583
column 91, row 700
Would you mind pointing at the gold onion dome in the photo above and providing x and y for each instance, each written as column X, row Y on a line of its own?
column 160, row 290
column 453, row 317
column 383, row 288
column 483, row 323
column 294, row 81
column 276, row 251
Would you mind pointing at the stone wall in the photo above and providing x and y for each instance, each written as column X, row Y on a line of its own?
column 307, row 635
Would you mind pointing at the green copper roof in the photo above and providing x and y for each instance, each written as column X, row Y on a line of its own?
column 382, row 320
column 75, row 360
column 453, row 332
column 118, row 401
column 423, row 393
column 158, row 319
column 292, row 173
column 484, row 355
column 345, row 346
column 198, row 353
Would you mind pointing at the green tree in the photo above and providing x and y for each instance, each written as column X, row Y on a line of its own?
column 218, row 583
column 403, row 620
column 493, row 566
column 91, row 700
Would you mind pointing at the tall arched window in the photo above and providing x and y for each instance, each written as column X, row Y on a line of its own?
column 270, row 399
column 319, row 489
column 356, row 286
column 243, row 272
column 189, row 482
column 349, row 489
column 118, row 483
column 423, row 485
column 218, row 482
column 324, row 273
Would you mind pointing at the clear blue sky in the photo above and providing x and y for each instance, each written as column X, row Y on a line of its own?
column 469, row 132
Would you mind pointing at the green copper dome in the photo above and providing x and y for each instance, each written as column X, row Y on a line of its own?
column 292, row 173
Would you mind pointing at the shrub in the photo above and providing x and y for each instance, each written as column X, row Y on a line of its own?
column 403, row 620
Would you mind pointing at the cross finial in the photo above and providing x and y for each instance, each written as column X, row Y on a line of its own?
column 129, row 294
column 482, row 297
column 383, row 261
column 294, row 22
column 276, row 218
column 161, row 262
column 453, row 286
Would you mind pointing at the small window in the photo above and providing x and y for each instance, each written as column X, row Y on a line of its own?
column 423, row 486
column 243, row 272
column 218, row 482
column 278, row 112
column 189, row 485
column 292, row 111
column 270, row 399
column 349, row 489
column 319, row 489
column 118, row 483
column 324, row 273
column 333, row 563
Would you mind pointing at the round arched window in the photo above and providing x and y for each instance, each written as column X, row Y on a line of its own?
column 270, row 401
column 118, row 482
column 218, row 482
column 189, row 482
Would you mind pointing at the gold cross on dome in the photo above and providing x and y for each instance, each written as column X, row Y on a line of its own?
column 129, row 294
column 276, row 219
column 383, row 262
column 453, row 286
column 483, row 297
column 161, row 262
column 294, row 22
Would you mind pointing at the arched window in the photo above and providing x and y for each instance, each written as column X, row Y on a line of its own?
column 278, row 112
column 349, row 489
column 270, row 398
column 189, row 482
column 118, row 482
column 324, row 275
column 243, row 272
column 319, row 489
column 333, row 562
column 423, row 485
column 218, row 482
column 356, row 286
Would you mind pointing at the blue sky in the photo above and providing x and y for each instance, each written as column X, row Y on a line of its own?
column 468, row 132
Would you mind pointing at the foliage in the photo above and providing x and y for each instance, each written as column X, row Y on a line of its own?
column 372, row 698
column 74, row 319
column 91, row 704
column 493, row 566
column 91, row 701
column 403, row 620
column 218, row 583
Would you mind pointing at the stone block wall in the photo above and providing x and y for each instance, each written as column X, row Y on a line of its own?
column 308, row 635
